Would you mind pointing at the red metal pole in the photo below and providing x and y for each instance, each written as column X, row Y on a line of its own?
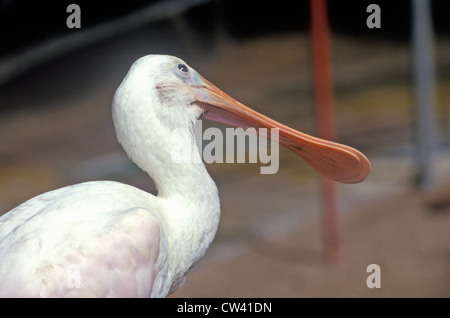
column 320, row 34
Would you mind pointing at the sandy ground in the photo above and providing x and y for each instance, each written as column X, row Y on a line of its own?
column 408, row 243
column 269, row 242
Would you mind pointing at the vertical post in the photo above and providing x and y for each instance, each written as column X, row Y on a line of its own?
column 423, row 91
column 320, row 34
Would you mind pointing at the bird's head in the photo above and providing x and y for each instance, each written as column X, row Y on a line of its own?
column 161, row 93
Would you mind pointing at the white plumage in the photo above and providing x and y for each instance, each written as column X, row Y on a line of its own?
column 107, row 239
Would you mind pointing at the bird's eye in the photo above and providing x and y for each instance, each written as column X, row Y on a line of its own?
column 183, row 69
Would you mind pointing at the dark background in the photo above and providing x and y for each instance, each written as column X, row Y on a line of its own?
column 26, row 23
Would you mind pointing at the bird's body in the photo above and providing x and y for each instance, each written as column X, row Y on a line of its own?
column 61, row 239
column 108, row 239
column 63, row 242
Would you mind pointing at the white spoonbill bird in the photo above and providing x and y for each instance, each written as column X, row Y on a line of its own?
column 108, row 239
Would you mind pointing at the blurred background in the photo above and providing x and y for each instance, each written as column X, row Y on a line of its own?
column 56, row 88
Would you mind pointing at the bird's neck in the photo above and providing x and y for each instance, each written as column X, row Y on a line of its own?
column 189, row 199
column 192, row 209
column 192, row 217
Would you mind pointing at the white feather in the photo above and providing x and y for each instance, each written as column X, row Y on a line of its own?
column 107, row 239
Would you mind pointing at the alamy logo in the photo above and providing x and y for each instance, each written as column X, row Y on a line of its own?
column 230, row 147
column 374, row 19
column 73, row 276
column 374, row 279
column 73, row 21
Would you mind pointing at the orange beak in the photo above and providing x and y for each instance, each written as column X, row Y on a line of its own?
column 336, row 161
